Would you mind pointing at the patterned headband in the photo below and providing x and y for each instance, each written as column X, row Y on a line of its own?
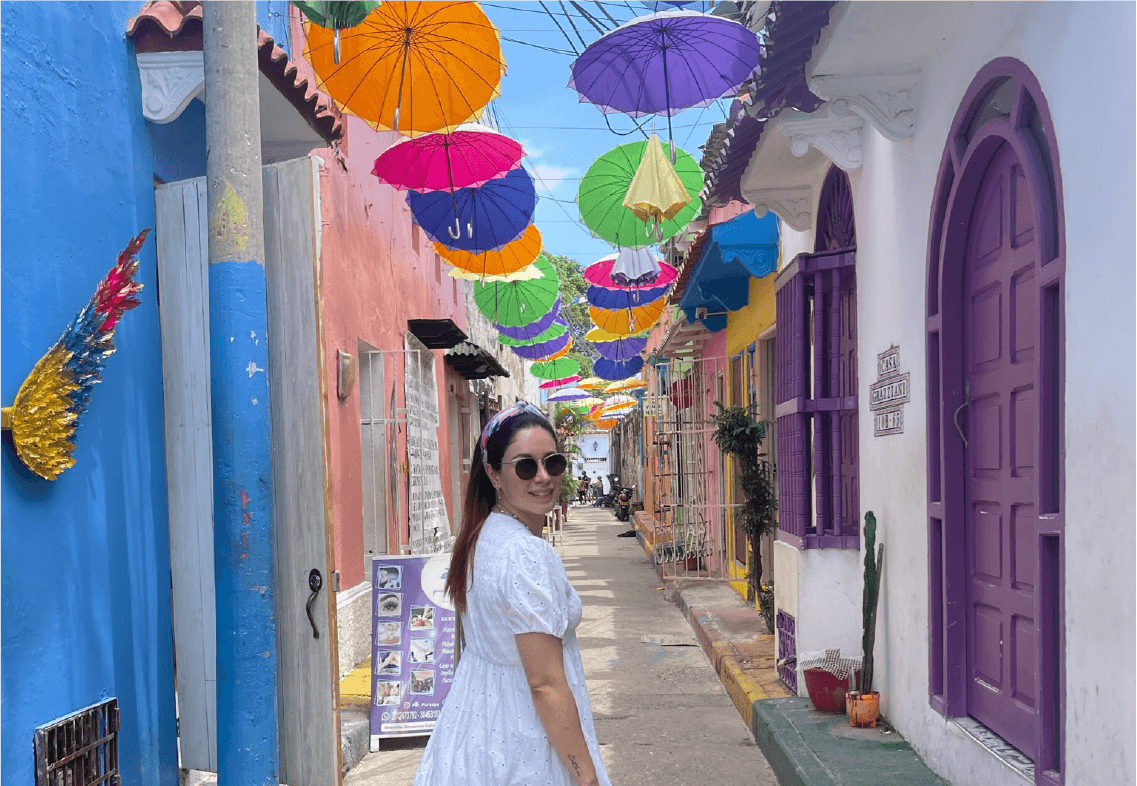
column 507, row 414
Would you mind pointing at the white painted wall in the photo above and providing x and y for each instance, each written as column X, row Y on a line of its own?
column 1082, row 53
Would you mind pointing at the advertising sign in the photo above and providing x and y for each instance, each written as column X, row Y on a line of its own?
column 429, row 524
column 412, row 644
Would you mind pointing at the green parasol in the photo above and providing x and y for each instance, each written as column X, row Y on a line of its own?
column 605, row 186
column 517, row 303
column 555, row 369
column 556, row 330
column 336, row 15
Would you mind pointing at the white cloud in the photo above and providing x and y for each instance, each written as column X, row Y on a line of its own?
column 550, row 178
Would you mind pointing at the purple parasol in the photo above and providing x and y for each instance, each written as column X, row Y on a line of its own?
column 543, row 349
column 533, row 329
column 621, row 349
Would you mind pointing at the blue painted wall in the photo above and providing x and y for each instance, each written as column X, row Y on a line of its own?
column 84, row 560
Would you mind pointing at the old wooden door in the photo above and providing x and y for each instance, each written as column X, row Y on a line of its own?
column 1000, row 337
column 307, row 689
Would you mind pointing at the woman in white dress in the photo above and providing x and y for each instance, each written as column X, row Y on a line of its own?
column 518, row 712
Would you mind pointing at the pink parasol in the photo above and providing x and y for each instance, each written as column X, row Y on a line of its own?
column 468, row 157
column 556, row 383
column 600, row 274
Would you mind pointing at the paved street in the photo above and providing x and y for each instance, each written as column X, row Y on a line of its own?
column 662, row 715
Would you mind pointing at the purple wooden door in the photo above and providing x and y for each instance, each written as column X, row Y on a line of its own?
column 1000, row 348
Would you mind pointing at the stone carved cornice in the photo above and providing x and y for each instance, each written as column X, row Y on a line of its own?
column 792, row 204
column 889, row 101
column 170, row 80
column 840, row 138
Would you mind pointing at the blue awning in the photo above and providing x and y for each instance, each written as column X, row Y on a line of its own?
column 743, row 247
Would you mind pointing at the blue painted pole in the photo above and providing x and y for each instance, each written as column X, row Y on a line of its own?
column 247, row 742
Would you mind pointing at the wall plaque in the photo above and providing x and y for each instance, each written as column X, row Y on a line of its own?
column 889, row 393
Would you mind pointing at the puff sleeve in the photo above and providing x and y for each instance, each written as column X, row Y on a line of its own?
column 536, row 590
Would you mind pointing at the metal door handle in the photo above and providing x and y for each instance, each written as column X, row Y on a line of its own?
column 315, row 582
column 966, row 402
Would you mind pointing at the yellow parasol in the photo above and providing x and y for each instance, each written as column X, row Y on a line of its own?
column 592, row 383
column 524, row 274
column 656, row 193
column 415, row 67
column 625, row 385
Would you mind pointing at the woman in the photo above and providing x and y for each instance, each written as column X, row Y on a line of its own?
column 518, row 712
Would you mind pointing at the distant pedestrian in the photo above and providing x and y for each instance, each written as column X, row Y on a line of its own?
column 518, row 710
column 582, row 488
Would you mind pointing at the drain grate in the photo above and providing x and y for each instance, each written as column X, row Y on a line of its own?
column 80, row 749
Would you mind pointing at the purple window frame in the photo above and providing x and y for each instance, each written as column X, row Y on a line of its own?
column 961, row 171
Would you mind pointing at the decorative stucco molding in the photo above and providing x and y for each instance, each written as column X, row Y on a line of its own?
column 170, row 80
column 840, row 138
column 888, row 101
column 793, row 204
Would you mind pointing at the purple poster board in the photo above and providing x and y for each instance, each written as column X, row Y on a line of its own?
column 412, row 644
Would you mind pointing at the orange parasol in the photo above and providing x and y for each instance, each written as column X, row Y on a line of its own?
column 510, row 258
column 625, row 321
column 415, row 67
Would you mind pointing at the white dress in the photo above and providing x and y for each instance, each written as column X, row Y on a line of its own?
column 489, row 733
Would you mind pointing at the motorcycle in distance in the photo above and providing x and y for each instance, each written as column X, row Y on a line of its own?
column 608, row 500
column 624, row 503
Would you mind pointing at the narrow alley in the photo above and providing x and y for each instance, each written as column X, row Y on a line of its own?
column 661, row 712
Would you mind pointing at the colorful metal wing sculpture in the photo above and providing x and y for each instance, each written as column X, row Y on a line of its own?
column 57, row 392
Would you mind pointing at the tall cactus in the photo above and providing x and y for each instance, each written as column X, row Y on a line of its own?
column 874, row 564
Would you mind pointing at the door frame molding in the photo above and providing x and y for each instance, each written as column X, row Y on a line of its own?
column 1028, row 129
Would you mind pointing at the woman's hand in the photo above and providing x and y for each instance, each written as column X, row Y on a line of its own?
column 542, row 656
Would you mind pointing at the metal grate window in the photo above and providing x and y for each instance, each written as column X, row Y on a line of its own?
column 787, row 650
column 80, row 749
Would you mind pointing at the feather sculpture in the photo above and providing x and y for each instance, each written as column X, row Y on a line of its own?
column 57, row 392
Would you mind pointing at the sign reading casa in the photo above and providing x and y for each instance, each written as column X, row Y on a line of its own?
column 889, row 393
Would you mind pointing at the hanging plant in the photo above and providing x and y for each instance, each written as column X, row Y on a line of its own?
column 739, row 434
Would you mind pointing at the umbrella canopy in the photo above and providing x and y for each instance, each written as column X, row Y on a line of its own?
column 555, row 330
column 636, row 265
column 569, row 394
column 511, row 259
column 665, row 62
column 555, row 355
column 606, row 183
column 556, row 383
column 517, row 303
column 624, row 298
column 602, row 274
column 468, row 156
column 625, row 321
column 613, row 370
column 593, row 383
column 524, row 274
column 543, row 350
column 532, row 329
column 606, row 424
column 626, row 384
column 477, row 219
column 555, row 369
column 656, row 193
column 619, row 402
column 414, row 67
column 590, row 402
column 336, row 16
column 621, row 348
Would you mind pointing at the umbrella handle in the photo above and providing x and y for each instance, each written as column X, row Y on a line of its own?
column 336, row 46
column 469, row 229
column 455, row 231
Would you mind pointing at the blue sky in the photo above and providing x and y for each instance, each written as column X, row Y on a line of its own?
column 561, row 135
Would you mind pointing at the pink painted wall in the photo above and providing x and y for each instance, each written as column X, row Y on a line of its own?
column 378, row 271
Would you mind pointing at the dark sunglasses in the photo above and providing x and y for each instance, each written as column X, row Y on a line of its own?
column 526, row 467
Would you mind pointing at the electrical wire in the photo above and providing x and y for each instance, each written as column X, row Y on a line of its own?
column 569, row 18
column 539, row 46
column 572, row 46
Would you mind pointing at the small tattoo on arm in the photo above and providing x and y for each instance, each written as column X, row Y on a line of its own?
column 575, row 764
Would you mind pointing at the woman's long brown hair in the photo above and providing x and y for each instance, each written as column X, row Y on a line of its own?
column 480, row 500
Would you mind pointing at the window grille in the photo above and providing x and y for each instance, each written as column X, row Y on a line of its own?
column 80, row 749
column 787, row 650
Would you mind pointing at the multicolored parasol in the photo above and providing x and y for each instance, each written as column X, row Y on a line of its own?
column 466, row 157
column 477, row 219
column 515, row 256
column 415, row 67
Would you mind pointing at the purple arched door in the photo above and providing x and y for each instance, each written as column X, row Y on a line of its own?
column 1000, row 331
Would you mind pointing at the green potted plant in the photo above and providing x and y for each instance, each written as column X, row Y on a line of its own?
column 568, row 493
column 739, row 434
column 864, row 704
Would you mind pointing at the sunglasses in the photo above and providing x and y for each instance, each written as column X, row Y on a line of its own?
column 526, row 467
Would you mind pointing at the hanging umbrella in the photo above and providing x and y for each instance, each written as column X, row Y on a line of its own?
column 477, row 219
column 556, row 383
column 569, row 394
column 593, row 383
column 336, row 15
column 517, row 303
column 466, row 157
column 605, row 185
column 626, row 384
column 619, row 402
column 557, row 355
column 602, row 274
column 626, row 321
column 526, row 273
column 535, row 328
column 666, row 62
column 656, row 194
column 555, row 331
column 624, row 298
column 556, row 369
column 414, row 67
column 621, row 348
column 543, row 350
column 512, row 258
column 636, row 265
column 613, row 369
column 590, row 402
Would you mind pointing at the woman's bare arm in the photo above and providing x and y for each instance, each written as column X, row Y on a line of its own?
column 542, row 656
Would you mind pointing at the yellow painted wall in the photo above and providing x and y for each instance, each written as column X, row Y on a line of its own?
column 744, row 326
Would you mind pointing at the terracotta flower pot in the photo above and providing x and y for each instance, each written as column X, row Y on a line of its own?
column 863, row 708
